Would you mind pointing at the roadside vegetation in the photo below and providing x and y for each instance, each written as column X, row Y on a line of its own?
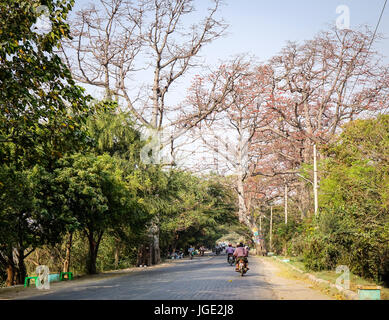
column 75, row 194
column 352, row 226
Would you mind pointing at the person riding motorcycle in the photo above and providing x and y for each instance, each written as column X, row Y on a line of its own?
column 230, row 251
column 241, row 253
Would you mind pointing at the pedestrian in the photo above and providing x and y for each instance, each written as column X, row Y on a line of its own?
column 191, row 252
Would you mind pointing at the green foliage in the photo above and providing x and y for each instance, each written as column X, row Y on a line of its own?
column 67, row 166
column 42, row 113
column 41, row 108
column 29, row 206
column 113, row 132
column 96, row 195
column 323, row 250
column 353, row 222
column 30, row 215
column 286, row 238
column 353, row 226
column 198, row 211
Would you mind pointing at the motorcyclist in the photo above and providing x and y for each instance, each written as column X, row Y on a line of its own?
column 242, row 253
column 230, row 250
column 191, row 252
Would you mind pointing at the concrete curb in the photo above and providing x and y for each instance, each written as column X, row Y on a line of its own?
column 351, row 295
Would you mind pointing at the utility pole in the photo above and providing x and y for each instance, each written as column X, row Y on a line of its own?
column 286, row 204
column 271, row 228
column 315, row 179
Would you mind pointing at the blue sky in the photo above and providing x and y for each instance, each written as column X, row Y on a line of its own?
column 262, row 27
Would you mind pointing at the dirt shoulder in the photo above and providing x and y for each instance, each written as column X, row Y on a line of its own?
column 289, row 286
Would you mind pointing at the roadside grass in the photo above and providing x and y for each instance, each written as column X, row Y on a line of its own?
column 332, row 276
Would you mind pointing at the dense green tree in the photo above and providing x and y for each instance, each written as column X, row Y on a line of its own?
column 41, row 116
column 30, row 216
column 41, row 108
column 353, row 227
column 199, row 210
column 97, row 196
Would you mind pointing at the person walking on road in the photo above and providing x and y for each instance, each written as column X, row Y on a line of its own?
column 191, row 252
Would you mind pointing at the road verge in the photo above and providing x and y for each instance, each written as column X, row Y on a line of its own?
column 347, row 294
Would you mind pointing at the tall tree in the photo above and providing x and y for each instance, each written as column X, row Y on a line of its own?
column 30, row 216
column 320, row 85
column 107, row 42
column 41, row 111
column 241, row 114
column 96, row 195
column 237, row 135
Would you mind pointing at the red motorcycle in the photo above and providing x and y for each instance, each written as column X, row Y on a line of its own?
column 241, row 266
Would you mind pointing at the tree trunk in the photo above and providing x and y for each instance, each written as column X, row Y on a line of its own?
column 66, row 264
column 143, row 256
column 176, row 238
column 305, row 199
column 155, row 252
column 316, row 203
column 286, row 204
column 263, row 247
column 10, row 275
column 21, row 271
column 156, row 258
column 271, row 229
column 243, row 217
column 117, row 244
column 139, row 257
column 91, row 266
column 305, row 189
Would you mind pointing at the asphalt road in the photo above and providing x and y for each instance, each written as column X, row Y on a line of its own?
column 203, row 278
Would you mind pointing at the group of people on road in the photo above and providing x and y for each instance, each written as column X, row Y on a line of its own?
column 192, row 251
column 240, row 252
column 176, row 254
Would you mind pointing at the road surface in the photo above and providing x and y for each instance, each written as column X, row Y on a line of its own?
column 203, row 278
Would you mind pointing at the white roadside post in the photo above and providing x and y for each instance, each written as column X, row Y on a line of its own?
column 271, row 228
column 286, row 204
column 315, row 179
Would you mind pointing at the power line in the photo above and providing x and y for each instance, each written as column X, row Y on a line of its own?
column 371, row 42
